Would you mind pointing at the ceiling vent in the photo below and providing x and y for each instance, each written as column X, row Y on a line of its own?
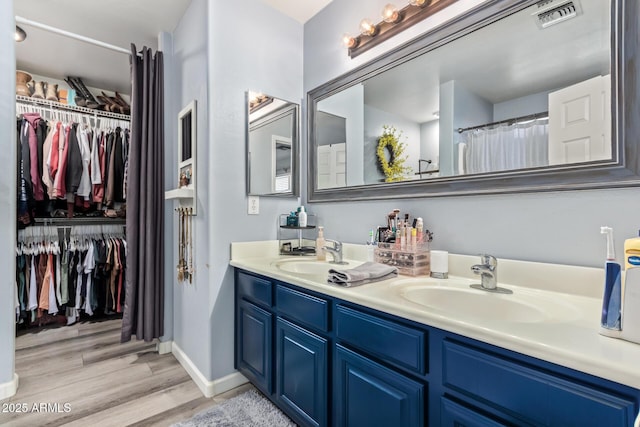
column 551, row 12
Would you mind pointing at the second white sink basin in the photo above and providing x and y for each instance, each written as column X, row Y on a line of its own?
column 312, row 267
column 523, row 306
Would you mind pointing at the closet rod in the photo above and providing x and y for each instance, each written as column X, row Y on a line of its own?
column 93, row 112
column 21, row 20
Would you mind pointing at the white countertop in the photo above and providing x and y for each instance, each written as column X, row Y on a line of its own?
column 573, row 341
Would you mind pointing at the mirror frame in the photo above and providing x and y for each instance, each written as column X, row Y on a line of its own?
column 295, row 149
column 622, row 171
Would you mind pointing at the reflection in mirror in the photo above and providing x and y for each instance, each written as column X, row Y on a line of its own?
column 526, row 92
column 272, row 141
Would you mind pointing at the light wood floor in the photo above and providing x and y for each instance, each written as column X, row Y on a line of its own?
column 104, row 383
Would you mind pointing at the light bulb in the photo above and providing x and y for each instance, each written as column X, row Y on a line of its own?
column 20, row 34
column 349, row 41
column 418, row 3
column 368, row 28
column 390, row 14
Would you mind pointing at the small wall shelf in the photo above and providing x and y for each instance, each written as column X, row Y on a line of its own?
column 295, row 240
column 185, row 196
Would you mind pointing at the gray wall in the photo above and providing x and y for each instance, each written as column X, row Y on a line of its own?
column 190, row 78
column 558, row 227
column 530, row 104
column 7, row 190
column 251, row 46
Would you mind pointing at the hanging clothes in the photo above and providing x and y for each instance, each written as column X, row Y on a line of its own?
column 69, row 161
column 80, row 274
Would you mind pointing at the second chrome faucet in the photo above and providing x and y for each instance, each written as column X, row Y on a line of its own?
column 488, row 271
column 335, row 250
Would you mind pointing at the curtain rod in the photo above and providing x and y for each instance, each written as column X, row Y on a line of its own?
column 21, row 20
column 510, row 121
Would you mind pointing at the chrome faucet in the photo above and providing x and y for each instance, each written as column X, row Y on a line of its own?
column 488, row 271
column 335, row 250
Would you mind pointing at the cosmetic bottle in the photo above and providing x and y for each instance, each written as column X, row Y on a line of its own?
column 321, row 255
column 632, row 252
column 302, row 217
column 631, row 308
column 419, row 230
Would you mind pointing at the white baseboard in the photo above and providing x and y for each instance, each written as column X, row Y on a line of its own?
column 10, row 388
column 208, row 388
column 164, row 347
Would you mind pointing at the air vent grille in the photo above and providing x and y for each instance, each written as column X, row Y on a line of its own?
column 551, row 12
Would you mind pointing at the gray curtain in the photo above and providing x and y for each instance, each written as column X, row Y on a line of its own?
column 143, row 314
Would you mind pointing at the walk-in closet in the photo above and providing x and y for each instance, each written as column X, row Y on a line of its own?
column 88, row 176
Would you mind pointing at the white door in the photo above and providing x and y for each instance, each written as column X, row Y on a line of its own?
column 580, row 122
column 332, row 166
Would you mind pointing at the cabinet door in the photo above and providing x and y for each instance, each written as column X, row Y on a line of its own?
column 369, row 394
column 254, row 345
column 301, row 373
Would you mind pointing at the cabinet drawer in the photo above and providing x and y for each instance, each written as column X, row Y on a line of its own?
column 533, row 396
column 254, row 288
column 395, row 343
column 306, row 309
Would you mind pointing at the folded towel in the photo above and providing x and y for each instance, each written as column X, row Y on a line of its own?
column 365, row 273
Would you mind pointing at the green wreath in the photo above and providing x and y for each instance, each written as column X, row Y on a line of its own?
column 389, row 142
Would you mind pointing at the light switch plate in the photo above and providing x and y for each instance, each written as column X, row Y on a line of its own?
column 253, row 205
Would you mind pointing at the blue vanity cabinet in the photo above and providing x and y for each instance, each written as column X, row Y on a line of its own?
column 365, row 393
column 329, row 362
column 523, row 391
column 254, row 330
column 301, row 372
column 302, row 355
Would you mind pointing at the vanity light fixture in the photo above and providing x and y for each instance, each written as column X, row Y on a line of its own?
column 367, row 28
column 20, row 34
column 394, row 20
column 391, row 14
column 349, row 41
column 258, row 101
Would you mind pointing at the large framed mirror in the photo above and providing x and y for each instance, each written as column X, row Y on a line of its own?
column 511, row 96
column 272, row 146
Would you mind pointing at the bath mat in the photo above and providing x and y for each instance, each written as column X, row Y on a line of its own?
column 247, row 409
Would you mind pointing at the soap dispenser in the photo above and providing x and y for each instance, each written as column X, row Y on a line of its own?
column 321, row 255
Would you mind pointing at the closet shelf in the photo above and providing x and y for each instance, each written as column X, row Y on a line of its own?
column 80, row 221
column 59, row 106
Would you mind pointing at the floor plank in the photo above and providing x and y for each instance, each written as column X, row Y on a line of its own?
column 102, row 382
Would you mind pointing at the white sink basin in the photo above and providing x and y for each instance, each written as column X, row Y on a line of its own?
column 461, row 301
column 312, row 267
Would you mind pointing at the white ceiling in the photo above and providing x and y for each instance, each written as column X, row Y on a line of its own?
column 116, row 22
column 509, row 59
column 300, row 10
